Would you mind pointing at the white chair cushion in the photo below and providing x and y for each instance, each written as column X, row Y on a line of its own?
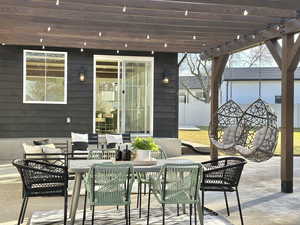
column 35, row 149
column 114, row 139
column 76, row 137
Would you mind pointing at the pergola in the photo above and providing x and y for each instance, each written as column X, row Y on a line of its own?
column 214, row 28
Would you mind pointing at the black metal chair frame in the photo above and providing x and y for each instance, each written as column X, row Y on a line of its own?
column 41, row 179
column 223, row 176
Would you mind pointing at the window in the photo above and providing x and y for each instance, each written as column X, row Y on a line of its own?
column 45, row 77
column 278, row 99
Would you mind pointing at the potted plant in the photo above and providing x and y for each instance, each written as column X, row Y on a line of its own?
column 144, row 147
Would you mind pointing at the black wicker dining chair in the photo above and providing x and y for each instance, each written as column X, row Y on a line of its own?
column 223, row 175
column 41, row 179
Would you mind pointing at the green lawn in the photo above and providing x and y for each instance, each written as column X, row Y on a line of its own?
column 201, row 137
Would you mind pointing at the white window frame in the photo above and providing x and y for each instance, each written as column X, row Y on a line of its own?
column 65, row 78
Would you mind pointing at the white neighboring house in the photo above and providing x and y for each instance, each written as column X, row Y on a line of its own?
column 240, row 84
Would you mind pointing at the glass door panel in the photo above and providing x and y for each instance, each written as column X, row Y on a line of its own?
column 107, row 100
column 136, row 104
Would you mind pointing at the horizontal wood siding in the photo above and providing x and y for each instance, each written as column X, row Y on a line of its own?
column 18, row 120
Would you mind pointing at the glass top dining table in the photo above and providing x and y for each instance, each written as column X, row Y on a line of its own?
column 80, row 167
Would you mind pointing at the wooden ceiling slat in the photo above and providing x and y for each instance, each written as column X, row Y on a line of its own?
column 216, row 23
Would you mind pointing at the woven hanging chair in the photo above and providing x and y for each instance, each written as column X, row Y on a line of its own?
column 224, row 134
column 258, row 138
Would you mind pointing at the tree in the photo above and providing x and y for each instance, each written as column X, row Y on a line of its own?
column 192, row 64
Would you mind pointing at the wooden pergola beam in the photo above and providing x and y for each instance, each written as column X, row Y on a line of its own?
column 249, row 41
column 294, row 56
column 287, row 115
column 218, row 66
column 283, row 4
column 275, row 50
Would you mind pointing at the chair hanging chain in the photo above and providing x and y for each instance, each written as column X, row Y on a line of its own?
column 259, row 80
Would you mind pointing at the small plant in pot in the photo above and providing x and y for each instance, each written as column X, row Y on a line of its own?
column 144, row 147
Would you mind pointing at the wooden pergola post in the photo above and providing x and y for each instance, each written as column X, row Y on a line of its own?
column 218, row 66
column 287, row 59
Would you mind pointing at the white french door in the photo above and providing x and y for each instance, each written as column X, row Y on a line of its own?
column 123, row 94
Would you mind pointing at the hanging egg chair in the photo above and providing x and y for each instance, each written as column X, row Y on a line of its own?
column 258, row 138
column 223, row 134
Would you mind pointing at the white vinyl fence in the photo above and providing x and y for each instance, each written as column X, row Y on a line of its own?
column 198, row 114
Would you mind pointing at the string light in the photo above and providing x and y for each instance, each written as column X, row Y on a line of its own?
column 277, row 27
column 152, row 52
column 3, row 43
column 238, row 37
column 49, row 29
column 245, row 12
column 165, row 45
column 43, row 47
column 84, row 43
column 41, row 40
column 81, row 50
column 203, row 44
column 148, row 37
column 118, row 51
column 253, row 36
column 125, row 45
column 57, row 2
column 194, row 37
column 124, row 9
column 186, row 13
column 218, row 49
column 100, row 34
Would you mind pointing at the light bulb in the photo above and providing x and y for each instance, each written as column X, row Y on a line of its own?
column 100, row 34
column 203, row 44
column 41, row 40
column 49, row 28
column 253, row 36
column 124, row 9
column 84, row 43
column 118, row 51
column 194, row 37
column 245, row 12
column 3, row 44
column 165, row 45
column 238, row 37
column 148, row 37
column 152, row 52
column 57, row 2
column 43, row 47
column 125, row 45
column 218, row 49
column 186, row 12
column 81, row 50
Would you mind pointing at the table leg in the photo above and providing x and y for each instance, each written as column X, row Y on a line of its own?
column 75, row 197
column 72, row 198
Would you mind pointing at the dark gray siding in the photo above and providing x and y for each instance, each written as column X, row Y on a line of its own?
column 49, row 120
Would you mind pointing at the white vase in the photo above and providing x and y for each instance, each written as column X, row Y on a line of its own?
column 143, row 155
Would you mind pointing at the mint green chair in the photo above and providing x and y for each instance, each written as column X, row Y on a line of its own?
column 178, row 184
column 108, row 184
column 143, row 178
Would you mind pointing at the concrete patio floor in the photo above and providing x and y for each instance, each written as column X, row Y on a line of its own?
column 262, row 201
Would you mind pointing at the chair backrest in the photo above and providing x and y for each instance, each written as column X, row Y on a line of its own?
column 36, row 174
column 225, row 171
column 102, row 154
column 160, row 154
column 93, row 139
column 109, row 184
column 79, row 141
column 126, row 137
column 178, row 179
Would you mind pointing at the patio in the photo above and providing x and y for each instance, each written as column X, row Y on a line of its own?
column 262, row 201
column 98, row 67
